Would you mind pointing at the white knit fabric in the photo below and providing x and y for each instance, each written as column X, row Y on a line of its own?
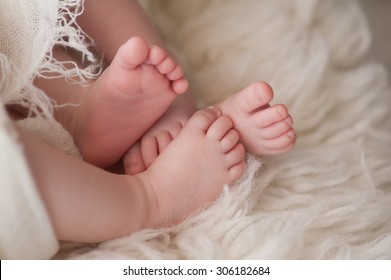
column 28, row 31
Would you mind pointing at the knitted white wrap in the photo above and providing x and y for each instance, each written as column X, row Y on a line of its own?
column 29, row 29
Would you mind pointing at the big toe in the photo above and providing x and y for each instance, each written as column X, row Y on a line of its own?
column 133, row 160
column 132, row 53
column 203, row 119
column 254, row 97
column 235, row 162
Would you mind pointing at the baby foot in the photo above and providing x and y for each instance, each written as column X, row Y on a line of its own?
column 193, row 169
column 263, row 129
column 130, row 95
column 143, row 153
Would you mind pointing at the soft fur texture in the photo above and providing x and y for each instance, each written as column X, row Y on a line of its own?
column 329, row 198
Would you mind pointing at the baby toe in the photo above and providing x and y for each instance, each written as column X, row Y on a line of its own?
column 166, row 66
column 180, row 86
column 149, row 150
column 133, row 160
column 235, row 155
column 163, row 140
column 271, row 115
column 176, row 74
column 132, row 53
column 282, row 141
column 219, row 128
column 156, row 55
column 203, row 119
column 254, row 96
column 276, row 129
column 281, row 150
column 236, row 171
column 229, row 141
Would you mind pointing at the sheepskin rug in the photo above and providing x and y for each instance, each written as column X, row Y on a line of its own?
column 330, row 197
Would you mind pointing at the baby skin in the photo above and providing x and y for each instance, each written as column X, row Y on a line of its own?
column 107, row 205
column 137, row 89
column 117, row 109
column 131, row 94
column 209, row 145
column 264, row 129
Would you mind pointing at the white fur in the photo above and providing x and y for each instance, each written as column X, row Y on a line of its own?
column 330, row 198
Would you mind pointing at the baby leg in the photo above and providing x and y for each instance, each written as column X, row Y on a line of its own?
column 88, row 204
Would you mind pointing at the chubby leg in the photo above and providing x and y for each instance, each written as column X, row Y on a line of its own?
column 88, row 204
column 263, row 129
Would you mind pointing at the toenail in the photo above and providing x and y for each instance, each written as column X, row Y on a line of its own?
column 259, row 92
column 282, row 110
column 215, row 109
column 291, row 134
column 289, row 121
